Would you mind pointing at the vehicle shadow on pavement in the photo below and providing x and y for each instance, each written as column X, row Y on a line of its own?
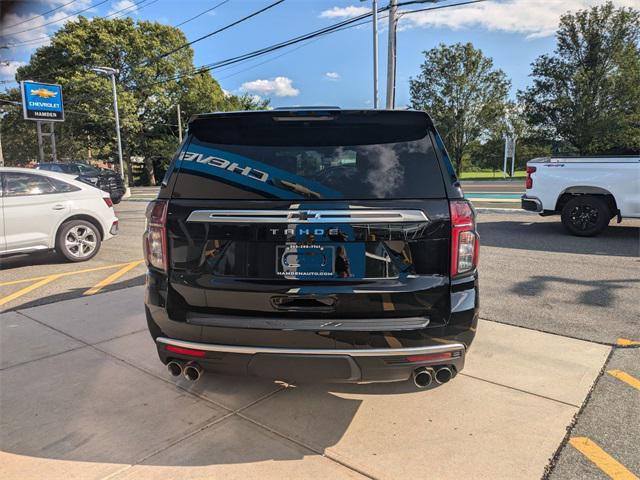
column 112, row 402
column 597, row 293
column 106, row 412
column 75, row 293
column 31, row 259
column 548, row 235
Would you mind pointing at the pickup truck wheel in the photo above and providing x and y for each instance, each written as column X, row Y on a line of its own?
column 586, row 215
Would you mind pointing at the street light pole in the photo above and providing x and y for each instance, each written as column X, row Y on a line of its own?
column 391, row 55
column 112, row 73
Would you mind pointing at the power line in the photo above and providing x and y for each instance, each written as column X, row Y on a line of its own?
column 309, row 42
column 222, row 29
column 134, row 6
column 46, row 37
column 202, row 13
column 59, row 20
column 41, row 14
column 301, row 38
column 269, row 49
column 408, row 12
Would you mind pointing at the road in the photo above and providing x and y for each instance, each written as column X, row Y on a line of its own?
column 568, row 296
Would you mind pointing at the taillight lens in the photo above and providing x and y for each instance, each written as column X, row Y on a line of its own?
column 529, row 181
column 108, row 201
column 155, row 241
column 185, row 351
column 465, row 243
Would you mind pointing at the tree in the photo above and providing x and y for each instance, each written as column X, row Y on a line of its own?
column 149, row 85
column 489, row 152
column 459, row 87
column 587, row 94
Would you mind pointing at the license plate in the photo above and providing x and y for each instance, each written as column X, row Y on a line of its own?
column 305, row 261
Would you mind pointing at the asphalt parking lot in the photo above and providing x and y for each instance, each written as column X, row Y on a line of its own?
column 550, row 388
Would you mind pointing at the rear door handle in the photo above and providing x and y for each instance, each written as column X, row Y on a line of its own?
column 58, row 207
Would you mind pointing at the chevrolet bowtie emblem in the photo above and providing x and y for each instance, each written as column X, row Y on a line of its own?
column 302, row 215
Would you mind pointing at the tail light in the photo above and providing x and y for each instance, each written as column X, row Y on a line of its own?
column 155, row 237
column 529, row 181
column 185, row 351
column 108, row 201
column 465, row 244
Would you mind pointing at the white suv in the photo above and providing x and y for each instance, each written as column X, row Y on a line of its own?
column 42, row 210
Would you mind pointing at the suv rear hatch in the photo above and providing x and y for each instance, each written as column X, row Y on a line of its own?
column 297, row 216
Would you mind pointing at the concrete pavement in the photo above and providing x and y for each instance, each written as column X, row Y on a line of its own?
column 92, row 401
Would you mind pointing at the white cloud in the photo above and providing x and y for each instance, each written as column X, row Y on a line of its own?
column 278, row 86
column 344, row 12
column 533, row 18
column 332, row 76
column 9, row 68
column 121, row 5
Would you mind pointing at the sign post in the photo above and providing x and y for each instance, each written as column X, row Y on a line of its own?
column 42, row 102
column 509, row 152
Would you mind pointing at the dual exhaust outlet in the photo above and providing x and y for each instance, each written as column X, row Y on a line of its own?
column 191, row 370
column 424, row 376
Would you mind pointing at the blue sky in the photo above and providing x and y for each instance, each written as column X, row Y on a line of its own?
column 335, row 69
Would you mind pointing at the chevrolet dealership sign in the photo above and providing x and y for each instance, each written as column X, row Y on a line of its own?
column 42, row 102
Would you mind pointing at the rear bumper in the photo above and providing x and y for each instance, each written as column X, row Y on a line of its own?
column 267, row 347
column 327, row 365
column 531, row 204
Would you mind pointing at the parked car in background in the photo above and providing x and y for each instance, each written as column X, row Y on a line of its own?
column 42, row 210
column 104, row 179
column 313, row 245
column 587, row 192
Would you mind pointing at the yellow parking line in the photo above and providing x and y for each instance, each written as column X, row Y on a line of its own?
column 28, row 289
column 625, row 377
column 73, row 272
column 625, row 342
column 112, row 278
column 601, row 459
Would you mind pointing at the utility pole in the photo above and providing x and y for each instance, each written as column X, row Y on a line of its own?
column 375, row 53
column 112, row 73
column 179, row 124
column 391, row 55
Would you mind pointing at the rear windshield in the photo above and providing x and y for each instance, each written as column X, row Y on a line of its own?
column 346, row 156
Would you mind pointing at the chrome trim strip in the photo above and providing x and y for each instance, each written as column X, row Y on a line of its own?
column 370, row 352
column 308, row 216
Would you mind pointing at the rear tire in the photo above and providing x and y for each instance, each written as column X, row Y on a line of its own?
column 78, row 241
column 586, row 215
column 116, row 200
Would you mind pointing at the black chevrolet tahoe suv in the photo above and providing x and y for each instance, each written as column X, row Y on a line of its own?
column 312, row 244
column 106, row 180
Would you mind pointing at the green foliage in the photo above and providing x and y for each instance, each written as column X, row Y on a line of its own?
column 147, row 103
column 464, row 94
column 489, row 153
column 587, row 95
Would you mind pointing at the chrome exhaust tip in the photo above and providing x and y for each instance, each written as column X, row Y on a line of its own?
column 443, row 375
column 422, row 377
column 192, row 371
column 175, row 368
